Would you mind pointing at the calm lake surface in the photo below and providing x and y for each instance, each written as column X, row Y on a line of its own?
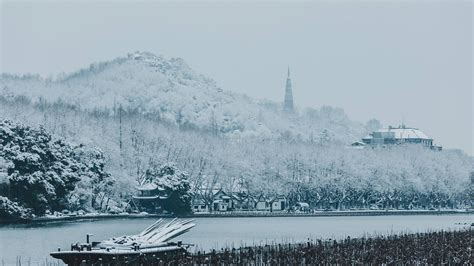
column 34, row 242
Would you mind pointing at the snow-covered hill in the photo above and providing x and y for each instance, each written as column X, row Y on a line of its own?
column 170, row 91
column 159, row 92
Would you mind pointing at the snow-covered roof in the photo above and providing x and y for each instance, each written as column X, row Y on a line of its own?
column 235, row 196
column 198, row 201
column 145, row 197
column 150, row 197
column 302, row 204
column 400, row 133
column 148, row 186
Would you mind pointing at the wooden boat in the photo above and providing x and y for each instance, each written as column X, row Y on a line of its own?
column 149, row 247
column 113, row 256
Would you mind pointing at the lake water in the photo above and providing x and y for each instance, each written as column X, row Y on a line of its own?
column 34, row 242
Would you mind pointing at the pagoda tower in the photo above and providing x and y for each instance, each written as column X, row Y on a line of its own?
column 288, row 104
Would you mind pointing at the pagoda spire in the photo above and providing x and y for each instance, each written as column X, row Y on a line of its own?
column 288, row 103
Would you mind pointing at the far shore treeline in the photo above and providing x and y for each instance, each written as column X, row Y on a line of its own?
column 43, row 172
column 84, row 142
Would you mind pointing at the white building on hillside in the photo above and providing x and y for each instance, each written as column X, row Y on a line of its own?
column 397, row 135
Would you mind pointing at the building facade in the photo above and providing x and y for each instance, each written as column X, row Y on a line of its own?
column 397, row 135
column 150, row 198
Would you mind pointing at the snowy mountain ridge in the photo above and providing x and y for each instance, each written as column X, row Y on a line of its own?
column 171, row 91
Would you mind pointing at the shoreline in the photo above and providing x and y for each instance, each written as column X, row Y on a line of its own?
column 242, row 214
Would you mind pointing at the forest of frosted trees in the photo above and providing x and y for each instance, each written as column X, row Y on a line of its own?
column 41, row 173
column 170, row 91
column 323, row 173
column 143, row 111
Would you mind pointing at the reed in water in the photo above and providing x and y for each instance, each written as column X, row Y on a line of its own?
column 444, row 247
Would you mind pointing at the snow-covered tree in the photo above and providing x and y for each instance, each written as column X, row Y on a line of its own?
column 10, row 210
column 96, row 185
column 42, row 171
column 471, row 190
column 175, row 183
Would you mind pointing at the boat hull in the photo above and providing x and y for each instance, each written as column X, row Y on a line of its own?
column 119, row 256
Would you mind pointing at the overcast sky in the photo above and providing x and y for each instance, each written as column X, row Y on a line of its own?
column 407, row 61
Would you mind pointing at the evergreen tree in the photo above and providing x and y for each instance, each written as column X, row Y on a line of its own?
column 43, row 171
column 175, row 184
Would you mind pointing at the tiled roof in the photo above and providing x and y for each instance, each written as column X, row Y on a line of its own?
column 402, row 133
